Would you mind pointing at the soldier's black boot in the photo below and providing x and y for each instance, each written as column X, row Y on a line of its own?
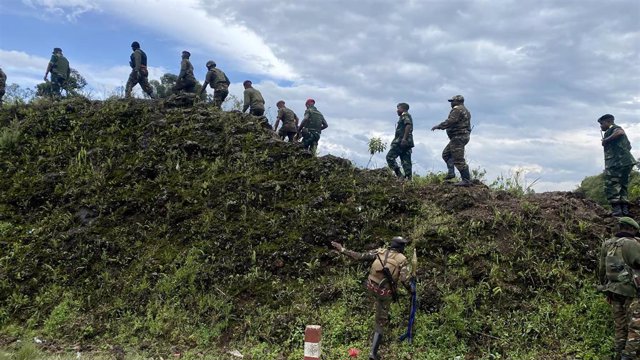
column 451, row 170
column 398, row 172
column 616, row 209
column 625, row 209
column 466, row 178
column 377, row 339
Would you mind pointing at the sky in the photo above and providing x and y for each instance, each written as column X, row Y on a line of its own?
column 536, row 74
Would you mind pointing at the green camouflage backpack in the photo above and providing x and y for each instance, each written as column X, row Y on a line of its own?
column 620, row 277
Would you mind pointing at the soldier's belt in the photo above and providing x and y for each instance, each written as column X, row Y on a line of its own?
column 378, row 290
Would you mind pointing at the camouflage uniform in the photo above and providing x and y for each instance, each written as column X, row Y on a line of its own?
column 618, row 163
column 289, row 123
column 253, row 101
column 458, row 126
column 312, row 125
column 60, row 72
column 379, row 287
column 619, row 257
column 397, row 150
column 219, row 82
column 3, row 84
column 139, row 73
column 186, row 81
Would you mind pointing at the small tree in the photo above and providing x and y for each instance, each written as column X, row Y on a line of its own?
column 375, row 146
column 15, row 93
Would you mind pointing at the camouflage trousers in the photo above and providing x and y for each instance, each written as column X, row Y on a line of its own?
column 626, row 317
column 186, row 85
column 57, row 84
column 454, row 151
column 219, row 95
column 310, row 139
column 405, row 159
column 616, row 183
column 383, row 304
column 136, row 78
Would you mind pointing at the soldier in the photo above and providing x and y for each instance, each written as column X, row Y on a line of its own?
column 60, row 72
column 186, row 81
column 139, row 72
column 3, row 84
column 383, row 287
column 458, row 126
column 402, row 143
column 618, row 163
column 253, row 99
column 289, row 122
column 619, row 261
column 218, row 81
column 311, row 127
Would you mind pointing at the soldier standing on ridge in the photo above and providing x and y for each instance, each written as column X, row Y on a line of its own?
column 618, row 163
column 60, row 72
column 619, row 263
column 382, row 286
column 311, row 127
column 139, row 72
column 402, row 143
column 253, row 99
column 289, row 122
column 3, row 84
column 458, row 126
column 186, row 81
column 218, row 81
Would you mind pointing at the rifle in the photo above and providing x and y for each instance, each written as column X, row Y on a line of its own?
column 414, row 303
column 387, row 275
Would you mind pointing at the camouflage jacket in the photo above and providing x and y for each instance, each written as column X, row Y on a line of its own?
column 618, row 151
column 313, row 119
column 400, row 275
column 60, row 66
column 619, row 257
column 288, row 118
column 403, row 121
column 3, row 79
column 186, row 71
column 458, row 123
column 253, row 99
column 217, row 79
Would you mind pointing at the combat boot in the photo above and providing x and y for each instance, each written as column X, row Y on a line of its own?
column 451, row 172
column 616, row 209
column 625, row 209
column 466, row 178
column 377, row 339
column 398, row 172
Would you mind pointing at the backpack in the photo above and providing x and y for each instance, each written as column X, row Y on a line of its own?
column 616, row 269
column 385, row 259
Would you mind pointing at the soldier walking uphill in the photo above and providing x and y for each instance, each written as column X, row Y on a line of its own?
column 618, row 163
column 402, row 143
column 458, row 126
column 186, row 81
column 388, row 267
column 60, row 72
column 3, row 84
column 139, row 72
column 311, row 127
column 618, row 266
column 289, row 122
column 218, row 81
column 253, row 99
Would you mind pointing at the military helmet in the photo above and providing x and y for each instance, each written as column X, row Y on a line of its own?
column 57, row 50
column 185, row 52
column 457, row 98
column 398, row 242
column 135, row 45
column 210, row 63
column 606, row 117
column 628, row 221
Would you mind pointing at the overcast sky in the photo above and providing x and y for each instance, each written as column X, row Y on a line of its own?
column 535, row 74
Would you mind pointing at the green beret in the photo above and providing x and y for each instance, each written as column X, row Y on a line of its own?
column 629, row 221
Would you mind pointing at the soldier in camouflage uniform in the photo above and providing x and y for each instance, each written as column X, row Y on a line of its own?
column 311, row 127
column 3, row 84
column 618, row 163
column 139, row 72
column 619, row 260
column 458, row 126
column 253, row 99
column 377, row 283
column 218, row 81
column 60, row 72
column 186, row 81
column 289, row 122
column 402, row 143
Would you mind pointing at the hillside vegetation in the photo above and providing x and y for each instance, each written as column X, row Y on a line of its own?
column 160, row 229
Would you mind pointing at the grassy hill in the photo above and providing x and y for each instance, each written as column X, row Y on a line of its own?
column 163, row 229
